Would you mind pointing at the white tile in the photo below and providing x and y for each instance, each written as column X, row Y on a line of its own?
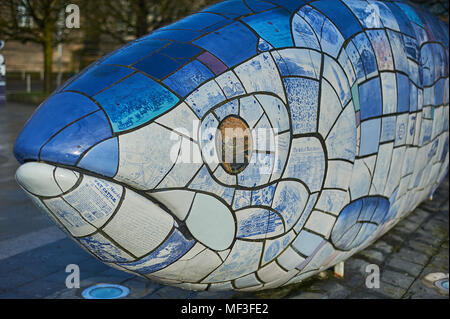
column 211, row 222
column 95, row 199
column 37, row 178
column 177, row 201
column 139, row 226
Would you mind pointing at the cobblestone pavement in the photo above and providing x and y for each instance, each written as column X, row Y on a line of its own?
column 34, row 253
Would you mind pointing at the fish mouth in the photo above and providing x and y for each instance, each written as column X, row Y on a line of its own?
column 113, row 221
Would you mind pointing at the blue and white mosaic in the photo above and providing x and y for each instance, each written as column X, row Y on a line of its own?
column 343, row 112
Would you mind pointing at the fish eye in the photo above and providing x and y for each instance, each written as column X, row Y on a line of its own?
column 234, row 144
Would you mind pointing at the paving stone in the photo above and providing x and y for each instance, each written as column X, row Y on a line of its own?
column 66, row 294
column 14, row 295
column 394, row 240
column 407, row 226
column 334, row 290
column 404, row 266
column 92, row 266
column 372, row 255
column 419, row 291
column 435, row 267
column 413, row 256
column 40, row 288
column 418, row 216
column 140, row 287
column 117, row 274
column 431, row 205
column 383, row 246
column 391, row 291
column 355, row 272
column 422, row 247
column 427, row 238
column 14, row 279
column 395, row 278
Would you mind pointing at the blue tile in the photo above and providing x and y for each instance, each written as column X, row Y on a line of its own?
column 370, row 99
column 347, row 217
column 410, row 13
column 99, row 78
column 402, row 20
column 188, row 78
column 226, row 43
column 103, row 248
column 388, row 128
column 158, row 65
column 358, row 221
column 306, row 242
column 303, row 101
column 370, row 136
column 303, row 34
column 174, row 35
column 402, row 93
column 195, row 22
column 258, row 6
column 411, row 47
column 171, row 250
column 227, row 109
column 439, row 89
column 242, row 198
column 134, row 52
column 263, row 196
column 67, row 146
column 357, row 63
column 103, row 158
column 364, row 47
column 368, row 208
column 290, row 5
column 181, row 50
column 217, row 26
column 63, row 109
column 273, row 26
column 231, row 9
column 255, row 224
column 135, row 101
column 340, row 15
column 264, row 46
column 364, row 233
column 381, row 211
column 290, row 201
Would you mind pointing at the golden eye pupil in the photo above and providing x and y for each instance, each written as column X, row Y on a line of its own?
column 234, row 144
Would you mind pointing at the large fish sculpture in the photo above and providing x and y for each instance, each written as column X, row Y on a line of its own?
column 248, row 146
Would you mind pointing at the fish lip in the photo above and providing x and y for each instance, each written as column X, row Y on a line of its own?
column 142, row 193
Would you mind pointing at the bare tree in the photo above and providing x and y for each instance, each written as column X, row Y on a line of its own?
column 37, row 22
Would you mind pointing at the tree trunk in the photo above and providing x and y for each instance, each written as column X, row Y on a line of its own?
column 48, row 60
